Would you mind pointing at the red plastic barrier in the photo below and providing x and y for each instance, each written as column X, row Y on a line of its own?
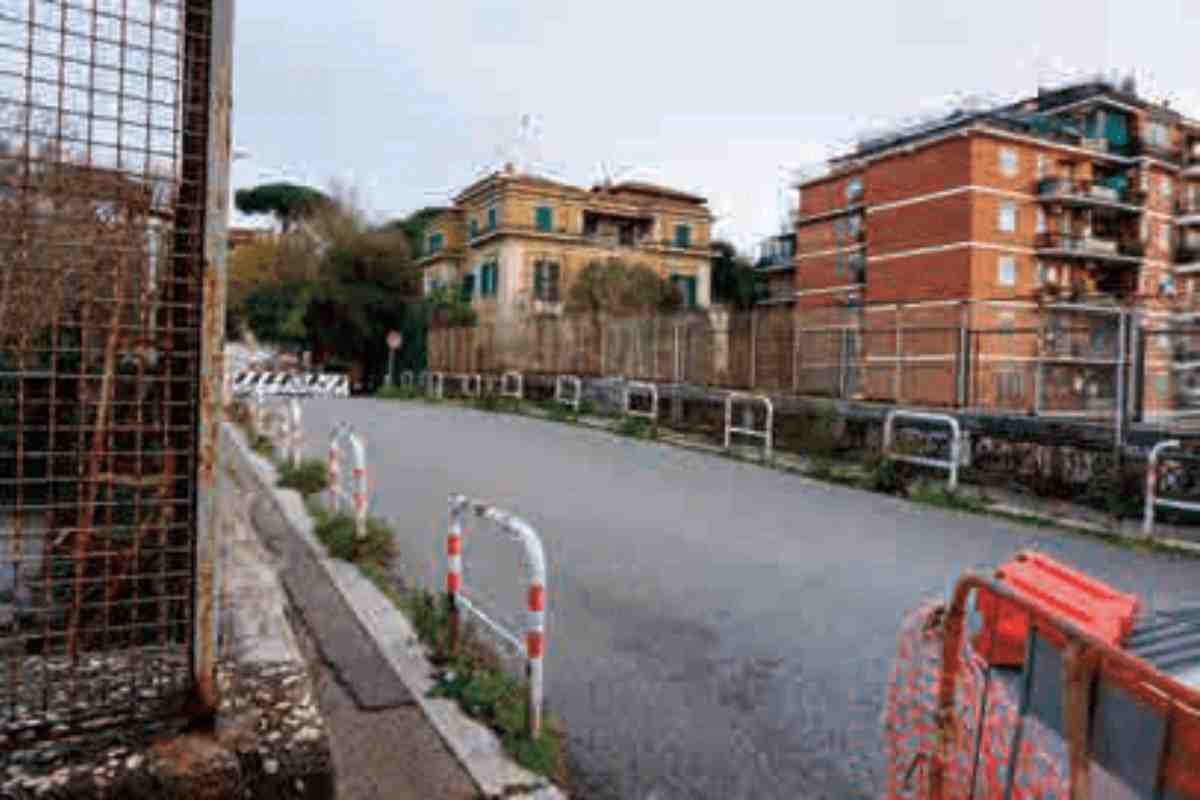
column 1089, row 604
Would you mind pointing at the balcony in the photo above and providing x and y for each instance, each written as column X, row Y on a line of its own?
column 775, row 262
column 1188, row 211
column 429, row 256
column 1164, row 152
column 1089, row 248
column 1089, row 193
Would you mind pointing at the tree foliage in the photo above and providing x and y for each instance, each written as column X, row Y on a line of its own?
column 735, row 282
column 616, row 287
column 414, row 226
column 287, row 202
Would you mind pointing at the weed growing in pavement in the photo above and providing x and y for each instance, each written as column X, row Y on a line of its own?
column 309, row 477
column 497, row 404
column 476, row 680
column 263, row 446
column 340, row 536
column 560, row 413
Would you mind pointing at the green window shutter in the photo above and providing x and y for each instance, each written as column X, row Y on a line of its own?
column 683, row 235
column 538, row 280
column 491, row 218
column 690, row 283
column 553, row 283
column 474, row 225
column 545, row 218
column 468, row 287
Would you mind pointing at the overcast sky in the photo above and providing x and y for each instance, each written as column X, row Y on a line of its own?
column 409, row 100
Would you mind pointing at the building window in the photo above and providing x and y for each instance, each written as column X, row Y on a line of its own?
column 1041, row 220
column 491, row 218
column 489, row 278
column 467, row 289
column 1052, row 275
column 854, row 189
column 686, row 284
column 1041, row 166
column 1008, row 217
column 1008, row 162
column 1040, row 272
column 544, row 217
column 545, row 281
column 1145, row 180
column 1145, row 229
column 1006, row 274
column 1165, row 188
column 1010, row 387
column 683, row 235
column 1164, row 236
column 473, row 226
column 435, row 242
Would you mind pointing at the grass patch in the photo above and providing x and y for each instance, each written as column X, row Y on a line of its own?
column 636, row 428
column 399, row 393
column 476, row 680
column 340, row 536
column 496, row 404
column 559, row 412
column 309, row 477
column 937, row 495
column 263, row 446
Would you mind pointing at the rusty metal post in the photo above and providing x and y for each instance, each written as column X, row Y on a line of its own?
column 209, row 76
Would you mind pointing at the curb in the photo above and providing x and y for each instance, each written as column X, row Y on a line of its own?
column 475, row 745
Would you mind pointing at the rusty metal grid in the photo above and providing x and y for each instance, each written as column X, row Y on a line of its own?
column 103, row 173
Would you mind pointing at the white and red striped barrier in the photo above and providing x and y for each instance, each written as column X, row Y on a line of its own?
column 354, row 493
column 534, row 560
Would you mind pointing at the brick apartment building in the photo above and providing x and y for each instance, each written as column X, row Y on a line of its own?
column 1086, row 195
column 777, row 267
column 512, row 242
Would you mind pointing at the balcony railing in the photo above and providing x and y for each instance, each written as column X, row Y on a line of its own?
column 776, row 262
column 1090, row 246
column 1088, row 192
column 1164, row 152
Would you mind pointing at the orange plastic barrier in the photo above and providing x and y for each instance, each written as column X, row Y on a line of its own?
column 1089, row 604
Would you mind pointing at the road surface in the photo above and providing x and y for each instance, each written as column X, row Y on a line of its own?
column 715, row 629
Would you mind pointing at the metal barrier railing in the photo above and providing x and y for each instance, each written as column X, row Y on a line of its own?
column 560, row 395
column 282, row 424
column 471, row 384
column 406, row 379
column 767, row 431
column 1153, row 468
column 512, row 378
column 354, row 492
column 889, row 433
column 534, row 560
column 436, row 385
column 1090, row 680
column 641, row 388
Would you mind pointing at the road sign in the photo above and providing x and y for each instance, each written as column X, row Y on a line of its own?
column 394, row 340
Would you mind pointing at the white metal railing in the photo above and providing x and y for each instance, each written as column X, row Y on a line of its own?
column 766, row 433
column 561, row 396
column 407, row 379
column 1153, row 501
column 512, row 384
column 436, row 385
column 643, row 388
column 471, row 384
column 889, row 433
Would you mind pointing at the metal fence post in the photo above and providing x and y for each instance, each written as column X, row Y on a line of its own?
column 211, row 76
column 1119, row 432
column 795, row 358
column 753, row 349
column 899, row 352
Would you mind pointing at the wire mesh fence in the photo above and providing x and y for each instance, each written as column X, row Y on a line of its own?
column 103, row 155
column 1003, row 357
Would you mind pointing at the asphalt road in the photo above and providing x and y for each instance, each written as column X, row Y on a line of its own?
column 715, row 629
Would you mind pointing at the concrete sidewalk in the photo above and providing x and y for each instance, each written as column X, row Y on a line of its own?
column 382, row 745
